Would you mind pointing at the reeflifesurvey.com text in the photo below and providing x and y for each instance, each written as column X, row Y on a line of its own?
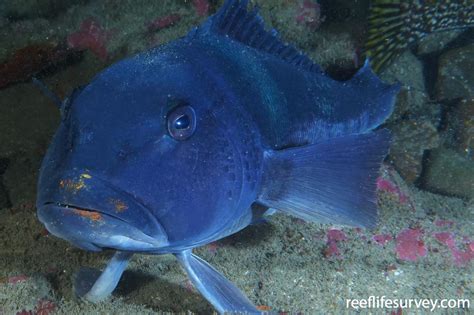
column 382, row 302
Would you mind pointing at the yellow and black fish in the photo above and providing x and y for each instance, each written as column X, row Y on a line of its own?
column 396, row 24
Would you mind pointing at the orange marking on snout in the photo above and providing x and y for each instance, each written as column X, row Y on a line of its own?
column 119, row 205
column 64, row 182
column 94, row 216
column 74, row 185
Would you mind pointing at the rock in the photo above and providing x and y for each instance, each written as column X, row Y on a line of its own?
column 414, row 125
column 414, row 104
column 27, row 119
column 461, row 125
column 27, row 294
column 406, row 69
column 21, row 176
column 3, row 21
column 411, row 139
column 448, row 172
column 4, row 200
column 436, row 41
column 21, row 9
column 455, row 75
column 326, row 45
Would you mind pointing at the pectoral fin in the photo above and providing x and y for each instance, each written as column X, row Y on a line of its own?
column 94, row 286
column 220, row 292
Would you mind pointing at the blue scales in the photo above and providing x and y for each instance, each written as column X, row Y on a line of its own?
column 173, row 148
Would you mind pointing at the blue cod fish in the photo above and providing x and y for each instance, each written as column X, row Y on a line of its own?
column 186, row 143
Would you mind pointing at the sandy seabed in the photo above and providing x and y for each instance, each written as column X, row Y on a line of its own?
column 283, row 264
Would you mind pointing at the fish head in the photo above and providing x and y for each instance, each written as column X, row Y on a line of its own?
column 147, row 158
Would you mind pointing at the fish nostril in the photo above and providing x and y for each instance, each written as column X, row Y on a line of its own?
column 122, row 154
column 124, row 150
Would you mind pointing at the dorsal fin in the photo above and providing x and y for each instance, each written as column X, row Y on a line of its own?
column 243, row 24
column 298, row 103
column 371, row 103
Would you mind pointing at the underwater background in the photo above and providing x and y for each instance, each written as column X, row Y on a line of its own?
column 423, row 246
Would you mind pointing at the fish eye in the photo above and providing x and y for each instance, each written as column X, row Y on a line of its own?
column 181, row 122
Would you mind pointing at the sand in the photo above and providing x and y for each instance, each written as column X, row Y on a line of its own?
column 283, row 264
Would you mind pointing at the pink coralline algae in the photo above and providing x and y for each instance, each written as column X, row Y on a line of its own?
column 399, row 311
column 43, row 307
column 389, row 187
column 444, row 223
column 386, row 185
column 163, row 22
column 16, row 279
column 360, row 233
column 188, row 285
column 201, row 7
column 446, row 238
column 382, row 239
column 409, row 245
column 309, row 14
column 28, row 61
column 333, row 237
column 90, row 36
column 460, row 257
column 212, row 247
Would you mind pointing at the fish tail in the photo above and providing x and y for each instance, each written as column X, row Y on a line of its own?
column 332, row 181
column 390, row 32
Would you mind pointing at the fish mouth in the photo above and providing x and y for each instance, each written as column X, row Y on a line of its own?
column 95, row 230
column 93, row 213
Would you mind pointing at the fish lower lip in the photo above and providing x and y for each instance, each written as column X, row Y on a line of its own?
column 93, row 230
column 88, row 191
column 85, row 211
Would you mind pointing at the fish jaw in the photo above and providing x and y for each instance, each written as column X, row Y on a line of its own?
column 94, row 230
column 93, row 214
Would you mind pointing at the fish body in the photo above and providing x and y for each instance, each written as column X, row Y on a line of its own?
column 394, row 25
column 195, row 140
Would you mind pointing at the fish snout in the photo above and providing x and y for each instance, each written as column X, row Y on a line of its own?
column 93, row 214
